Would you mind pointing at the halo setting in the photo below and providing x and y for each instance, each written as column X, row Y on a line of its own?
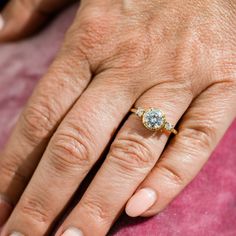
column 153, row 119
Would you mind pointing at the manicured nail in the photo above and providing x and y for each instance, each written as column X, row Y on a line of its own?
column 16, row 234
column 73, row 232
column 2, row 23
column 141, row 202
column 5, row 210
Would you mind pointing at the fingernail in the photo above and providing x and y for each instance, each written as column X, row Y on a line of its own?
column 2, row 22
column 73, row 232
column 141, row 202
column 5, row 210
column 16, row 234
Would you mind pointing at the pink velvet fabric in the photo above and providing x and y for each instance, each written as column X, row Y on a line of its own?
column 206, row 207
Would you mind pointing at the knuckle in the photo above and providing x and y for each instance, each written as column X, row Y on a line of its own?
column 187, row 53
column 37, row 121
column 131, row 153
column 170, row 173
column 34, row 208
column 92, row 37
column 70, row 149
column 93, row 31
column 132, row 53
column 94, row 209
column 9, row 168
column 199, row 135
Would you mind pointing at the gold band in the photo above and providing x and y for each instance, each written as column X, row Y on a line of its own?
column 154, row 119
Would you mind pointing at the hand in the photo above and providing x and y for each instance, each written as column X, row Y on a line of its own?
column 176, row 56
column 22, row 18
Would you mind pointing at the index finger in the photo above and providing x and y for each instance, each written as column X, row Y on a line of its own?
column 55, row 94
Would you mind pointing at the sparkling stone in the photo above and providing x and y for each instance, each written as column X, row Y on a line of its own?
column 140, row 112
column 153, row 119
column 168, row 126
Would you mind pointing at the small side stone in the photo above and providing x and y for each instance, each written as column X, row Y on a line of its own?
column 140, row 112
column 168, row 126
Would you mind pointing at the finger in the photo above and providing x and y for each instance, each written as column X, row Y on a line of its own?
column 200, row 130
column 73, row 150
column 55, row 94
column 33, row 14
column 131, row 157
column 7, row 208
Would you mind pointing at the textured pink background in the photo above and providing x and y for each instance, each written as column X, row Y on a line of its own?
column 206, row 207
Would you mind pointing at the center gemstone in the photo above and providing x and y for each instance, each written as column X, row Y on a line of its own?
column 153, row 119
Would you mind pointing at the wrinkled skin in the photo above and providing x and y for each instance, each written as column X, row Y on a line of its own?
column 179, row 56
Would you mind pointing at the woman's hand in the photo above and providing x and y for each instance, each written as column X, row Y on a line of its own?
column 179, row 56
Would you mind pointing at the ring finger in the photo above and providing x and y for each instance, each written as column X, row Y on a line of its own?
column 201, row 128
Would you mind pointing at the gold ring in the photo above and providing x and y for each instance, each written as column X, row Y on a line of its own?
column 154, row 119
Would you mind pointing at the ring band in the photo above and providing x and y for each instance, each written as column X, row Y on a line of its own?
column 154, row 119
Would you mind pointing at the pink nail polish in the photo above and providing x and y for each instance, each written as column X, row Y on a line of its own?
column 16, row 234
column 5, row 211
column 141, row 201
column 73, row 232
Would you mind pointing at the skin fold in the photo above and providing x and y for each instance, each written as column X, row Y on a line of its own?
column 179, row 56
